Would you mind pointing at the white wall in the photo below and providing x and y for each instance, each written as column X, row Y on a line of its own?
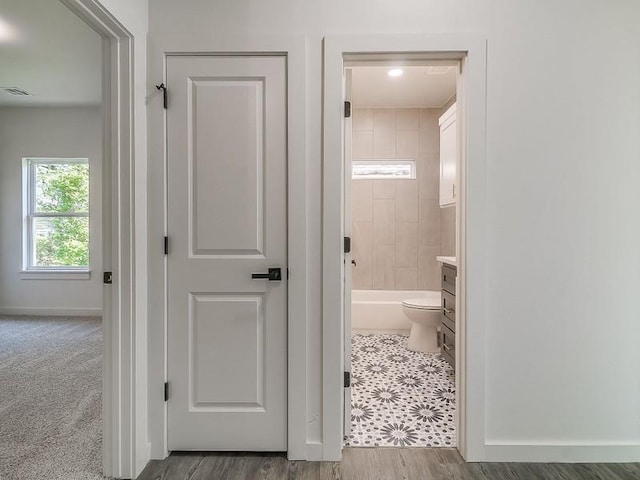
column 563, row 112
column 74, row 132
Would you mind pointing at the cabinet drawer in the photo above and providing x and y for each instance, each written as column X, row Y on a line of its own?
column 448, row 349
column 449, row 308
column 449, row 279
column 448, row 323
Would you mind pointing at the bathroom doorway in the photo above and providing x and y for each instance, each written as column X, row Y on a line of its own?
column 401, row 156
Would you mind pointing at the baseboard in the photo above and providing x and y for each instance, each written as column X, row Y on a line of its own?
column 142, row 460
column 314, row 451
column 55, row 312
column 561, row 453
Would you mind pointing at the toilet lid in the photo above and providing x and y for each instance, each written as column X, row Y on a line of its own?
column 421, row 303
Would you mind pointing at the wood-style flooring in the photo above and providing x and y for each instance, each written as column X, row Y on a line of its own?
column 374, row 463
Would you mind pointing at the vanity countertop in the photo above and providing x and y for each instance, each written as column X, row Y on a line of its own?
column 448, row 260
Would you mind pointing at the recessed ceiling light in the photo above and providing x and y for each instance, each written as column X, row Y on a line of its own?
column 395, row 72
column 6, row 32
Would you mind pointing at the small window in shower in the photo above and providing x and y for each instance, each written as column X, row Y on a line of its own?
column 371, row 169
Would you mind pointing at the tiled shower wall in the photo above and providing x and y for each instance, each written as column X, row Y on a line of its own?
column 396, row 223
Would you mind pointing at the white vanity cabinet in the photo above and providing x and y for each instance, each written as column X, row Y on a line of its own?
column 448, row 156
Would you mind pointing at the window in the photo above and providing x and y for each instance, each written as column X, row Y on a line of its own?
column 56, row 219
column 400, row 169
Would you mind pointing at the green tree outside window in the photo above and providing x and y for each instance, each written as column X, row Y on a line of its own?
column 59, row 213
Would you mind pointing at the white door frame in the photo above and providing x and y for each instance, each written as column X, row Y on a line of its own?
column 203, row 43
column 118, row 435
column 470, row 228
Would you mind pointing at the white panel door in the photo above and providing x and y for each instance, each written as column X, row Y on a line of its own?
column 226, row 180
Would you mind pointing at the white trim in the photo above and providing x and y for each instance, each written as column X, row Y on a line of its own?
column 52, row 312
column 550, row 452
column 119, row 369
column 470, row 50
column 52, row 274
column 202, row 43
column 314, row 451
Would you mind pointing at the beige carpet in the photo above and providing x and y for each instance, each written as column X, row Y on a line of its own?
column 50, row 398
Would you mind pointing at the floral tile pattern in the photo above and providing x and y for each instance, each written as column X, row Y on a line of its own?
column 399, row 398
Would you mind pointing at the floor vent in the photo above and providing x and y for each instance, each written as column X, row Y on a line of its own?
column 18, row 92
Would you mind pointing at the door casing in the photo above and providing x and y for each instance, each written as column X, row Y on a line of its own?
column 470, row 51
column 293, row 47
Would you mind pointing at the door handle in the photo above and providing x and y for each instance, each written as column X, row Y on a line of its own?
column 273, row 275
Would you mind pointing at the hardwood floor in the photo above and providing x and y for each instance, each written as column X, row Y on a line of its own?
column 374, row 463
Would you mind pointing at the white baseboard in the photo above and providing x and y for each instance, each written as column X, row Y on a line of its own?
column 314, row 451
column 55, row 312
column 560, row 453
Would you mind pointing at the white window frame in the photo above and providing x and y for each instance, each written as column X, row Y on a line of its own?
column 29, row 270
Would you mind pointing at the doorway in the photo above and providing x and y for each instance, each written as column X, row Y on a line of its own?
column 400, row 163
column 470, row 51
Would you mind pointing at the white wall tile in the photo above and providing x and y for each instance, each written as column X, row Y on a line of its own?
column 407, row 143
column 430, row 223
column 383, row 270
column 384, row 189
column 406, row 246
column 362, row 200
column 362, row 254
column 362, row 119
column 396, row 229
column 407, row 118
column 362, row 144
column 406, row 278
column 407, row 201
column 384, row 222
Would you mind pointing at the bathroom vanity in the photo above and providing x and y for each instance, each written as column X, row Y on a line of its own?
column 448, row 339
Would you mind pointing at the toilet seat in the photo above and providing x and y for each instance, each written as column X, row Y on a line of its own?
column 421, row 304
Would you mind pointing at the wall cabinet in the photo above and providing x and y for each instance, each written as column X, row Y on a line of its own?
column 448, row 156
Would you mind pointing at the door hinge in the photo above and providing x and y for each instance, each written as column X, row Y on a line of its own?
column 166, row 391
column 347, row 379
column 347, row 109
column 166, row 245
column 347, row 244
column 164, row 94
column 107, row 278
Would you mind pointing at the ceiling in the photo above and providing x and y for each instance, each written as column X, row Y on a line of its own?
column 418, row 86
column 46, row 50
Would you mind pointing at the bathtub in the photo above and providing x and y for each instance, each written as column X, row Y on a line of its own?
column 380, row 311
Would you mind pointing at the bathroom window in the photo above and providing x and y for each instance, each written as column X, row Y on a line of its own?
column 56, row 214
column 372, row 169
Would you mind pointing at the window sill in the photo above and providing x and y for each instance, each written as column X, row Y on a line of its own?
column 55, row 274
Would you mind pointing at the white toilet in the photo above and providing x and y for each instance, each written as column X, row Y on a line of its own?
column 424, row 314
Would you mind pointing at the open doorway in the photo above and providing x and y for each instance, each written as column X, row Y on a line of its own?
column 51, row 269
column 400, row 195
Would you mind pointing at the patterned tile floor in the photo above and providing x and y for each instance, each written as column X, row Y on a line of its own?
column 399, row 398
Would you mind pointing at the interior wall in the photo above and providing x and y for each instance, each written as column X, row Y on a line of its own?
column 74, row 132
column 396, row 223
column 561, row 180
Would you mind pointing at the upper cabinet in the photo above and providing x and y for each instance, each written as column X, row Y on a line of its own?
column 448, row 156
